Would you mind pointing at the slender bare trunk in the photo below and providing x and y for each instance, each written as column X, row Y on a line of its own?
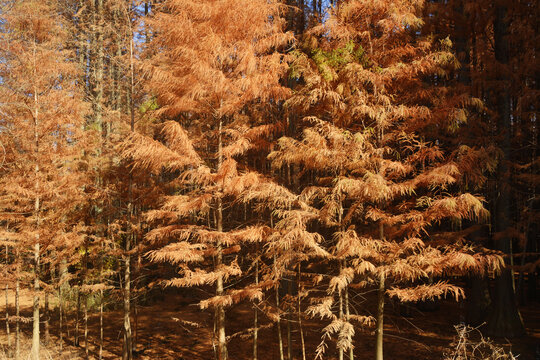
column 127, row 353
column 46, row 314
column 340, row 349
column 300, row 314
column 7, row 310
column 222, row 344
column 127, row 348
column 7, row 321
column 61, row 306
column 278, row 321
column 220, row 310
column 289, row 335
column 35, row 325
column 380, row 318
column 60, row 318
column 380, row 308
column 101, row 302
column 98, row 96
column 17, row 315
column 78, row 311
column 348, row 317
column 100, row 324
column 135, row 319
column 340, row 219
column 255, row 315
column 85, row 309
column 280, row 339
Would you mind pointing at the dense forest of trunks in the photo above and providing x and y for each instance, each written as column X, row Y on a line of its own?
column 289, row 157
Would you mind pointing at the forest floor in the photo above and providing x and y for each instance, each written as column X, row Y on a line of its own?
column 161, row 335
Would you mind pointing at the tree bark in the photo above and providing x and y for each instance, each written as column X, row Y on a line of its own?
column 100, row 324
column 98, row 86
column 478, row 301
column 280, row 338
column 60, row 318
column 220, row 311
column 7, row 323
column 77, row 316
column 348, row 317
column 127, row 348
column 300, row 314
column 100, row 355
column 504, row 319
column 127, row 353
column 340, row 349
column 380, row 309
column 85, row 309
column 278, row 321
column 61, row 308
column 46, row 314
column 7, row 310
column 380, row 319
column 255, row 312
column 289, row 335
column 17, row 315
column 35, row 325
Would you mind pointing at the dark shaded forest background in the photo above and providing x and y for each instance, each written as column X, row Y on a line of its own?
column 255, row 179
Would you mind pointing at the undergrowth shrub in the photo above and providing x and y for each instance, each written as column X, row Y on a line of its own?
column 470, row 344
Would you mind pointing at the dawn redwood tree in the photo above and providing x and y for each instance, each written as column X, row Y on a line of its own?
column 43, row 115
column 381, row 188
column 213, row 59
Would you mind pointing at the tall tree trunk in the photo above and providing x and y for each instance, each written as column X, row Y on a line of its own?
column 348, row 317
column 98, row 86
column 46, row 314
column 77, row 316
column 82, row 45
column 127, row 348
column 7, row 309
column 380, row 319
column 100, row 324
column 278, row 321
column 280, row 338
column 101, row 299
column 380, row 309
column 85, row 309
column 340, row 349
column 35, row 325
column 340, row 219
column 302, row 341
column 255, row 312
column 478, row 301
column 135, row 319
column 61, row 293
column 60, row 318
column 220, row 311
column 127, row 353
column 504, row 319
column 7, row 323
column 289, row 335
column 17, row 316
column 85, row 303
